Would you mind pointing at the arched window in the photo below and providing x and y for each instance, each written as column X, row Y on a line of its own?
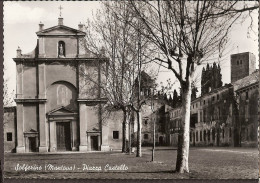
column 61, row 49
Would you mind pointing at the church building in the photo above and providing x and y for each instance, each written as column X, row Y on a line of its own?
column 58, row 107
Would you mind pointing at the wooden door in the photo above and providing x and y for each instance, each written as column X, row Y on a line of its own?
column 32, row 144
column 94, row 143
column 63, row 136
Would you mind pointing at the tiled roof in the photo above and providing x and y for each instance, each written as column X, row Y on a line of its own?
column 246, row 81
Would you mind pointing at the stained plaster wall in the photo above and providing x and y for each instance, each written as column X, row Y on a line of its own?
column 114, row 122
column 88, row 80
column 9, row 126
column 29, row 81
column 30, row 115
column 55, row 97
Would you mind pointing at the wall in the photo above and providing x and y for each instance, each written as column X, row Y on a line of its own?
column 9, row 126
column 114, row 122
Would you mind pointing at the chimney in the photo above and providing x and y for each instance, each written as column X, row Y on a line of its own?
column 60, row 21
column 80, row 26
column 18, row 52
column 41, row 25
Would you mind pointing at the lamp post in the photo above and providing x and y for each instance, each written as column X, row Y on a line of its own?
column 152, row 108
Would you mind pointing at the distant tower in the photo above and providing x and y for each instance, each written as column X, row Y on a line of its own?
column 242, row 65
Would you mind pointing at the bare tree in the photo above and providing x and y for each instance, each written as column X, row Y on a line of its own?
column 110, row 37
column 186, row 34
column 8, row 96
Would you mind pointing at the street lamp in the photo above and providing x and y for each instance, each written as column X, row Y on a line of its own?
column 152, row 108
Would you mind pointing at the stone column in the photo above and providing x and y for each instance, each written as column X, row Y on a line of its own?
column 53, row 145
column 74, row 136
column 83, row 127
column 20, row 148
column 41, row 47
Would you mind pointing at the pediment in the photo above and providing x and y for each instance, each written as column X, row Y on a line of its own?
column 60, row 30
column 61, row 110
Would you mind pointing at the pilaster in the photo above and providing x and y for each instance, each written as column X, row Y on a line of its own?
column 42, row 81
column 105, row 133
column 83, row 127
column 53, row 145
column 20, row 148
column 74, row 136
column 19, row 81
column 42, row 128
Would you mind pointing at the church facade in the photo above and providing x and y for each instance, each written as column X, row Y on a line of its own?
column 59, row 97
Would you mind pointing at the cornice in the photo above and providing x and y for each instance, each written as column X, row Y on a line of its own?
column 30, row 100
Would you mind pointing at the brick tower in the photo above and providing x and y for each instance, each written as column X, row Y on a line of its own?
column 242, row 65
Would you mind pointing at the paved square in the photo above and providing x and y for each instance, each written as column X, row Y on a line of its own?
column 204, row 163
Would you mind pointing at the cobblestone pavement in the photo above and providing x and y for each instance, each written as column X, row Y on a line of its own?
column 204, row 163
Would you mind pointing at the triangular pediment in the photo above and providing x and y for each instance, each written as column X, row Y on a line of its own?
column 60, row 110
column 60, row 30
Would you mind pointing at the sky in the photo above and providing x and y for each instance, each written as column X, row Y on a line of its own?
column 21, row 21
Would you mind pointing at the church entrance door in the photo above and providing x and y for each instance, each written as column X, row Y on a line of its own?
column 94, row 143
column 63, row 136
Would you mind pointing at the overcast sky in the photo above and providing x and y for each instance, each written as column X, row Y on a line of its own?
column 21, row 21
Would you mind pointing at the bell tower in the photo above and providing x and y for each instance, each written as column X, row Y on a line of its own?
column 242, row 65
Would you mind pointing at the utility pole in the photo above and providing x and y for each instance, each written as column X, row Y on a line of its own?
column 139, row 122
column 152, row 108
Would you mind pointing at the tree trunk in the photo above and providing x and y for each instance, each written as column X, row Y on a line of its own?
column 139, row 135
column 124, row 132
column 184, row 133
